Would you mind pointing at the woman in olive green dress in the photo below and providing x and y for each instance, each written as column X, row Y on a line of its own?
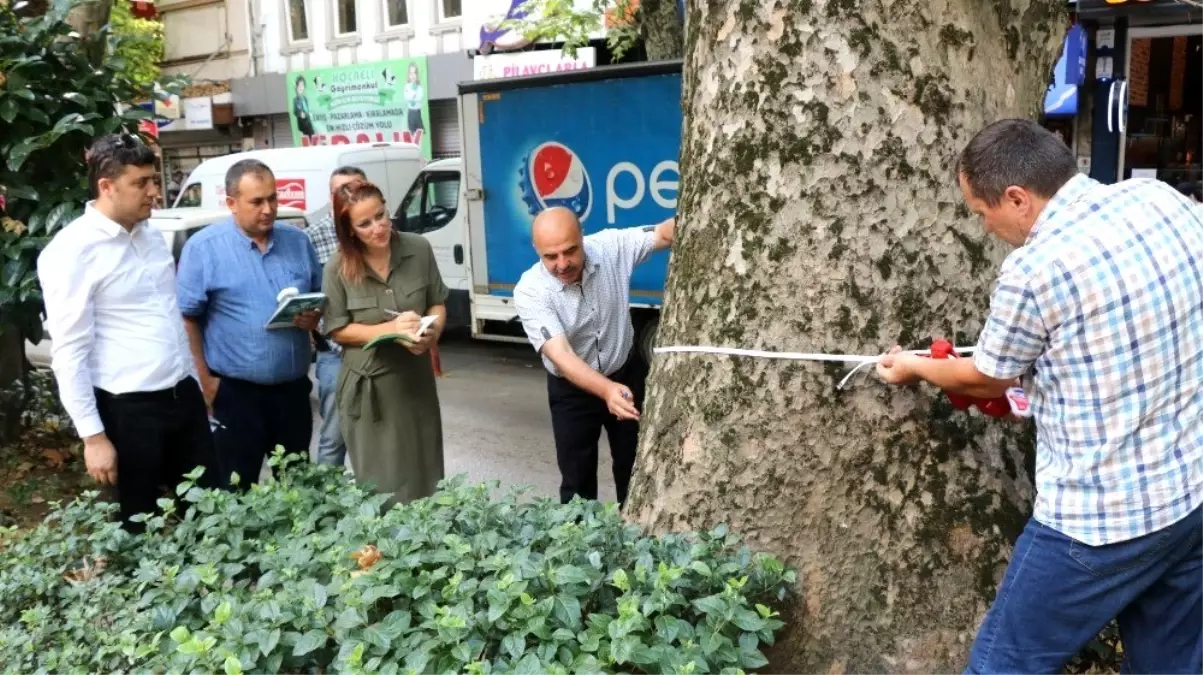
column 382, row 282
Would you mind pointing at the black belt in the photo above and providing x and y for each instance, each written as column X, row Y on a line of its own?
column 169, row 394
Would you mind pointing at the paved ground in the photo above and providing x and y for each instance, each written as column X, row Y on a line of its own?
column 496, row 424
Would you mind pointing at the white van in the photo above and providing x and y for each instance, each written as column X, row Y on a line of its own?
column 303, row 174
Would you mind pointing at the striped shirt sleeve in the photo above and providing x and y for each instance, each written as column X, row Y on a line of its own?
column 630, row 246
column 538, row 316
column 1014, row 335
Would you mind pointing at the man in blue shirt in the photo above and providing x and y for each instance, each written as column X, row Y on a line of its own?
column 255, row 381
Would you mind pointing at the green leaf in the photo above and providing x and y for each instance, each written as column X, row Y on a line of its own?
column 37, row 115
column 350, row 618
column 223, row 612
column 21, row 151
column 136, row 114
column 319, row 595
column 8, row 109
column 513, row 645
column 269, row 641
column 712, row 641
column 748, row 620
column 701, row 568
column 19, row 191
column 622, row 648
column 309, row 642
column 497, row 610
column 58, row 217
column 376, row 635
column 232, row 666
column 568, row 610
column 752, row 659
column 396, row 623
column 77, row 98
column 620, row 581
column 569, row 574
column 180, row 634
column 383, row 591
column 529, row 665
column 711, row 605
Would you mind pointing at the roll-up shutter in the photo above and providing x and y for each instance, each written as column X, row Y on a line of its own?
column 280, row 127
column 444, row 119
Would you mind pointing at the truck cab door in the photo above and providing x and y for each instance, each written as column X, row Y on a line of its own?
column 431, row 208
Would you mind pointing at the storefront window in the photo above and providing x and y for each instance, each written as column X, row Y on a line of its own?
column 1165, row 99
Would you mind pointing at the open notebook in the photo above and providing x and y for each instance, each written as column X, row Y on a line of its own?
column 393, row 338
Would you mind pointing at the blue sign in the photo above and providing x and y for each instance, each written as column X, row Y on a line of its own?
column 1061, row 99
column 611, row 158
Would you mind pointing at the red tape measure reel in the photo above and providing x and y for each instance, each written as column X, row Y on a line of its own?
column 1013, row 402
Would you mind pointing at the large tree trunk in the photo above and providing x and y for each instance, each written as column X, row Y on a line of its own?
column 819, row 213
column 661, row 28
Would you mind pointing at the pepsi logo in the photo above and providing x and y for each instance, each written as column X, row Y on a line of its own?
column 553, row 176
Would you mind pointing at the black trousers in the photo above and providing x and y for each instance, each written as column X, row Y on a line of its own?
column 252, row 419
column 577, row 418
column 159, row 436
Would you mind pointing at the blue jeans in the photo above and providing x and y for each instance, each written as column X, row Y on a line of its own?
column 1058, row 593
column 330, row 446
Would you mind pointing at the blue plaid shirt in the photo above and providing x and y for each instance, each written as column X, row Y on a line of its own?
column 1103, row 308
column 325, row 242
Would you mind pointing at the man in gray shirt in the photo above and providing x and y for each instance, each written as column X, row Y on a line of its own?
column 574, row 305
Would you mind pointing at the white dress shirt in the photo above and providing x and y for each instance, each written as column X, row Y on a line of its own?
column 112, row 314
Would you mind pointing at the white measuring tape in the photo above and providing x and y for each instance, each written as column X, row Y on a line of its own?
column 861, row 361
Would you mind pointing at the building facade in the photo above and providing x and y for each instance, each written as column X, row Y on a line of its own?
column 328, row 40
column 209, row 42
column 1138, row 110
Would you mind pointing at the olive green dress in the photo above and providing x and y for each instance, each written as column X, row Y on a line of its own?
column 387, row 401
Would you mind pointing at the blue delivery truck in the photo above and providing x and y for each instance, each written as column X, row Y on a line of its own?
column 603, row 142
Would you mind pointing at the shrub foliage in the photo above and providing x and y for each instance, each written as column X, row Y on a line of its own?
column 306, row 573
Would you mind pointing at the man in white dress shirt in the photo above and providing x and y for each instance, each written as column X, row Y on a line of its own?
column 575, row 306
column 119, row 351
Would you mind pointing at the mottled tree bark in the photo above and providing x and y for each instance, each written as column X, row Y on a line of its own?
column 661, row 28
column 819, row 212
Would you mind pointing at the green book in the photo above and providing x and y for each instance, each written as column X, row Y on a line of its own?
column 390, row 338
column 402, row 338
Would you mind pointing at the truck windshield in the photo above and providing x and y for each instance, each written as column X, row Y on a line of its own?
column 430, row 204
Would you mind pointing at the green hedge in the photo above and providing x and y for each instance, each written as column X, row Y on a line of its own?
column 306, row 574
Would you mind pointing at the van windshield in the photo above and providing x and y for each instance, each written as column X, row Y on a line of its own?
column 189, row 196
column 431, row 203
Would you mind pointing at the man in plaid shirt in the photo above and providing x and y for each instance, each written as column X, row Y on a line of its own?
column 1101, row 305
column 330, row 446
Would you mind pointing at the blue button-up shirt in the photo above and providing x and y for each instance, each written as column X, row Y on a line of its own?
column 230, row 287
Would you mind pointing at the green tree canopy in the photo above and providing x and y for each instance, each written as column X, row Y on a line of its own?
column 137, row 47
column 54, row 99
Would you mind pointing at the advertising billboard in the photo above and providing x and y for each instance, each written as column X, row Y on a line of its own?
column 385, row 101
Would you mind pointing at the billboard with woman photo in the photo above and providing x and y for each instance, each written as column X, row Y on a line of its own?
column 377, row 102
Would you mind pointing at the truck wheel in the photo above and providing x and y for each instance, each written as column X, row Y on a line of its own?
column 645, row 340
